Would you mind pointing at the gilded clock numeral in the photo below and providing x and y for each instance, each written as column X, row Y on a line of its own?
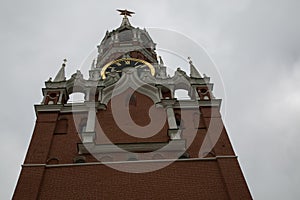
column 117, row 65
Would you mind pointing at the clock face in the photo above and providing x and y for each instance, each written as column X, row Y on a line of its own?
column 118, row 65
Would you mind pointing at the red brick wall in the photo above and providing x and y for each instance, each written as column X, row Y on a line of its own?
column 64, row 146
column 181, row 180
column 29, row 182
column 234, row 179
column 30, row 178
column 211, row 179
column 139, row 114
column 41, row 139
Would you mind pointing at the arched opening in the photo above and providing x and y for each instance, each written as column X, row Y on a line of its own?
column 166, row 93
column 52, row 161
column 181, row 94
column 204, row 93
column 76, row 97
column 79, row 159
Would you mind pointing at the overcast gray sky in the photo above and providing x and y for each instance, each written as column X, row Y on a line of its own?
column 255, row 45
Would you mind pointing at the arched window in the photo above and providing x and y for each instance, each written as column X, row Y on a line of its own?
column 52, row 161
column 79, row 159
column 166, row 93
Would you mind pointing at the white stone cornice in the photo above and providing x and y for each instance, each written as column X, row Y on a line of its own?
column 174, row 145
column 135, row 161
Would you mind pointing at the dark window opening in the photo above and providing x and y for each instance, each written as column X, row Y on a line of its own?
column 203, row 91
column 179, row 121
column 79, row 159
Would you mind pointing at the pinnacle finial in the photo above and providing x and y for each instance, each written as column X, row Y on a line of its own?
column 93, row 65
column 64, row 62
column 190, row 60
column 193, row 71
column 60, row 76
column 161, row 60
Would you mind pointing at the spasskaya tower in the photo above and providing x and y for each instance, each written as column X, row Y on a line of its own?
column 130, row 138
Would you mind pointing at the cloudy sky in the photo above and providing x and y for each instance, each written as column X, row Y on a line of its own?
column 254, row 44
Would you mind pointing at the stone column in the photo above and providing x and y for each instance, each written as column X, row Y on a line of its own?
column 195, row 92
column 100, row 93
column 173, row 131
column 116, row 37
column 134, row 35
column 159, row 91
column 89, row 135
column 171, row 118
column 87, row 94
column 60, row 97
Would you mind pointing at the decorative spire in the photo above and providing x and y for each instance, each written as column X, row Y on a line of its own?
column 93, row 65
column 193, row 71
column 161, row 60
column 125, row 21
column 60, row 76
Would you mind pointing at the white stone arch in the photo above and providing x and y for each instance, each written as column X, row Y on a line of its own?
column 130, row 80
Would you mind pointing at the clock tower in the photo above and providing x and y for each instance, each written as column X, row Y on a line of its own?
column 130, row 138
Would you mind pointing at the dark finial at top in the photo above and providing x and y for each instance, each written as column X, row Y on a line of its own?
column 64, row 62
column 125, row 12
column 190, row 60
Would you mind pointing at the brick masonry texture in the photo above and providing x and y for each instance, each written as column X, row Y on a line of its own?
column 55, row 140
column 181, row 180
